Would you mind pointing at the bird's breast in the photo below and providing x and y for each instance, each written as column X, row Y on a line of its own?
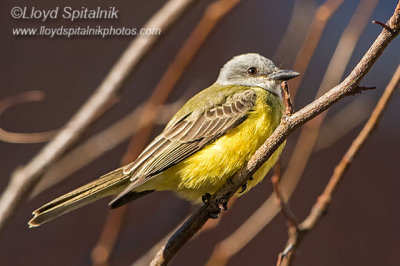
column 208, row 169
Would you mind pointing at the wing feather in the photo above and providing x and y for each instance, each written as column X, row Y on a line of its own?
column 187, row 135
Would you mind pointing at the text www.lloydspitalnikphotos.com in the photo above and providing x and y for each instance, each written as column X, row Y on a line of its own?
column 84, row 31
column 69, row 14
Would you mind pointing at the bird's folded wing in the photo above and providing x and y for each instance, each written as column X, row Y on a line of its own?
column 187, row 135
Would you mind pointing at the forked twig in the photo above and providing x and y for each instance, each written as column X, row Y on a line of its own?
column 323, row 201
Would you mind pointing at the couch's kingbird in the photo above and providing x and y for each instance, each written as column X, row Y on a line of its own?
column 207, row 141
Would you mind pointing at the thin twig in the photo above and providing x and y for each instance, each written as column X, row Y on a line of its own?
column 288, row 100
column 323, row 201
column 25, row 178
column 14, row 137
column 357, row 144
column 283, row 254
column 286, row 211
column 287, row 126
column 383, row 25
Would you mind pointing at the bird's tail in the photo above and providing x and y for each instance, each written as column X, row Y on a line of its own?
column 107, row 185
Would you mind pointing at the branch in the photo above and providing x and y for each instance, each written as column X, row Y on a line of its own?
column 322, row 204
column 288, row 101
column 383, row 25
column 286, row 211
column 24, row 178
column 287, row 126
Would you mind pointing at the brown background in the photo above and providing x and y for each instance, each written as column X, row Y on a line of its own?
column 362, row 226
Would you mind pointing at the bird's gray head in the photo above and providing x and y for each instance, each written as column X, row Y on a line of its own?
column 254, row 70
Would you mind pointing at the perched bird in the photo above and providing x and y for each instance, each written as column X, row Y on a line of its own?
column 207, row 141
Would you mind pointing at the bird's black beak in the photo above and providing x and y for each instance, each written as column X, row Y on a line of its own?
column 283, row 75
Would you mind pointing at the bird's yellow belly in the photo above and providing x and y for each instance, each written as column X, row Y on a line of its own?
column 208, row 169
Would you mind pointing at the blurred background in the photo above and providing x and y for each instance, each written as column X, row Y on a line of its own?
column 361, row 226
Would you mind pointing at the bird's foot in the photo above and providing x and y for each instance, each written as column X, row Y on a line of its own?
column 206, row 198
column 222, row 205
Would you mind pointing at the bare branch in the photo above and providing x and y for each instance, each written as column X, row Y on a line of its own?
column 323, row 201
column 286, row 211
column 325, row 198
column 288, row 125
column 25, row 178
column 383, row 25
column 282, row 256
column 288, row 100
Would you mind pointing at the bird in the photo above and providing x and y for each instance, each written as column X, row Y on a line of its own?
column 205, row 143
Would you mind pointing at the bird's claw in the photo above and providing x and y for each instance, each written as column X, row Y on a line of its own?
column 222, row 205
column 206, row 198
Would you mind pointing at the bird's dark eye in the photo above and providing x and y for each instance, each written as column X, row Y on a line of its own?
column 252, row 71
